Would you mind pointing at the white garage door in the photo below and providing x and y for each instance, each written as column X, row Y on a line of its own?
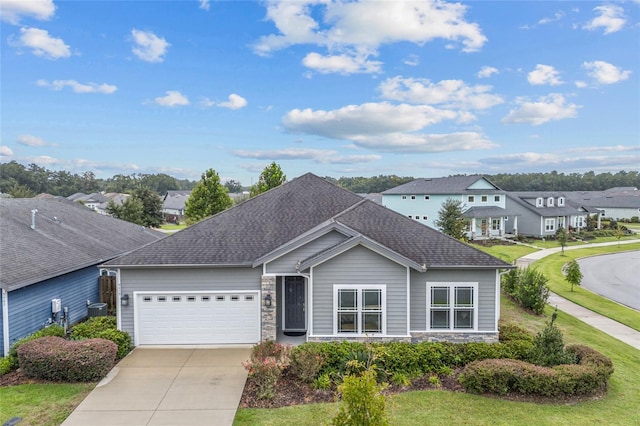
column 197, row 318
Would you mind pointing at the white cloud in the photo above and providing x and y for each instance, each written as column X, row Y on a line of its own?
column 103, row 88
column 486, row 72
column 320, row 156
column 615, row 148
column 605, row 73
column 30, row 140
column 611, row 18
column 41, row 43
column 558, row 160
column 556, row 17
column 358, row 29
column 544, row 74
column 204, row 4
column 547, row 108
column 449, row 93
column 234, row 102
column 148, row 46
column 581, row 84
column 172, row 99
column 12, row 11
column 5, row 151
column 386, row 127
column 343, row 64
column 412, row 60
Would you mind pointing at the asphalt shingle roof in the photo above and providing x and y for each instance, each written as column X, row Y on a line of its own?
column 67, row 237
column 256, row 227
column 444, row 185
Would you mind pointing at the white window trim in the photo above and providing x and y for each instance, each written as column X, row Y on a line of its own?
column 471, row 198
column 552, row 222
column 452, row 286
column 484, row 198
column 550, row 201
column 561, row 201
column 359, row 288
column 539, row 202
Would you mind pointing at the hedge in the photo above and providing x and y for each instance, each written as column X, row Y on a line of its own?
column 500, row 376
column 103, row 328
column 54, row 358
column 10, row 362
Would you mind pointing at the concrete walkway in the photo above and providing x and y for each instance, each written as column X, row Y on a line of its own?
column 613, row 328
column 157, row 386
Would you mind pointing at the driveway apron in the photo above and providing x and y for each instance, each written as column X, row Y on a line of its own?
column 158, row 386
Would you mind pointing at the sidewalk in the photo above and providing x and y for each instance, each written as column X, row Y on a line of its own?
column 613, row 328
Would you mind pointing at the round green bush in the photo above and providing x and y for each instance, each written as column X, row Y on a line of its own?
column 103, row 328
column 54, row 358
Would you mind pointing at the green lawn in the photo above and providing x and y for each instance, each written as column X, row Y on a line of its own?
column 508, row 253
column 551, row 267
column 41, row 404
column 173, row 227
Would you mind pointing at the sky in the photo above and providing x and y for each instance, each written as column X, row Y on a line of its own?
column 336, row 88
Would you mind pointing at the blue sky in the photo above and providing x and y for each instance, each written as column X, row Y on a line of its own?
column 416, row 88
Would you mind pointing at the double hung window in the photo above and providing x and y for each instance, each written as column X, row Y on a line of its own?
column 359, row 309
column 452, row 306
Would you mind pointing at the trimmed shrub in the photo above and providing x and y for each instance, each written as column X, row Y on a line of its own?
column 271, row 349
column 54, row 358
column 527, row 287
column 10, row 362
column 510, row 332
column 92, row 326
column 507, row 375
column 306, row 362
column 103, row 328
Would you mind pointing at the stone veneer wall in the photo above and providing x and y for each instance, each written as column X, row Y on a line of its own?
column 454, row 337
column 268, row 314
column 417, row 337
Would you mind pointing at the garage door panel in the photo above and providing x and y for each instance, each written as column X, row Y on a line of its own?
column 214, row 318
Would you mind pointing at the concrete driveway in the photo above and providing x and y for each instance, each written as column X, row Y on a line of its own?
column 157, row 386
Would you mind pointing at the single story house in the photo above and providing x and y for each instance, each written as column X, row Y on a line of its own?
column 614, row 203
column 312, row 260
column 50, row 250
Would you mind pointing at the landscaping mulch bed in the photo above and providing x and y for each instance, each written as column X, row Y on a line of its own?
column 291, row 391
column 16, row 377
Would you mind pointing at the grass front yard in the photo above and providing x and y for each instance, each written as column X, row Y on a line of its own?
column 41, row 404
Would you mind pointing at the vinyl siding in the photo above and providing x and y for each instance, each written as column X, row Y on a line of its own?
column 183, row 279
column 287, row 262
column 486, row 295
column 360, row 266
column 30, row 307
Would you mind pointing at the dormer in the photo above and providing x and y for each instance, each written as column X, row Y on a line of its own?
column 550, row 202
column 539, row 202
column 560, row 201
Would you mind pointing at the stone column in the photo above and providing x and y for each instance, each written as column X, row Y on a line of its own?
column 268, row 313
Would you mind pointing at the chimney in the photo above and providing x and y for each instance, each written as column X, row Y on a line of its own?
column 33, row 218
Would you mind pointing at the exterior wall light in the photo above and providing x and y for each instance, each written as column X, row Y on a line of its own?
column 267, row 300
column 124, row 300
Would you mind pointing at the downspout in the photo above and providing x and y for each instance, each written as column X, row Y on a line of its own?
column 5, row 322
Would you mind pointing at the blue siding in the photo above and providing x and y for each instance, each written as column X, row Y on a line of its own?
column 30, row 307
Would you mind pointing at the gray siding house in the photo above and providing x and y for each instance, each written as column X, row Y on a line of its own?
column 312, row 260
column 50, row 250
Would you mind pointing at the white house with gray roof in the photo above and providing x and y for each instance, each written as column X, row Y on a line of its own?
column 50, row 249
column 312, row 260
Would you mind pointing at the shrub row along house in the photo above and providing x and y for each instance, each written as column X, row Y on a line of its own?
column 493, row 212
column 50, row 250
column 312, row 260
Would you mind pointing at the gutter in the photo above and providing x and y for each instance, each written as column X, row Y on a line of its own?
column 5, row 321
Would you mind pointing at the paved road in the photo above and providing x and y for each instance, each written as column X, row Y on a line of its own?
column 614, row 276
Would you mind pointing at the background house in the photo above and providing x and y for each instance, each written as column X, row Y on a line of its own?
column 173, row 205
column 482, row 202
column 50, row 249
column 614, row 203
column 312, row 261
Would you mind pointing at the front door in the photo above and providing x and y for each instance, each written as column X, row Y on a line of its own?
column 294, row 304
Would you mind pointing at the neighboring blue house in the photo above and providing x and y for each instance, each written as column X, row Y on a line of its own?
column 482, row 202
column 311, row 261
column 49, row 250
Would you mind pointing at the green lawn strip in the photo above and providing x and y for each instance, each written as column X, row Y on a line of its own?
column 551, row 267
column 41, row 404
column 438, row 407
column 173, row 227
column 508, row 253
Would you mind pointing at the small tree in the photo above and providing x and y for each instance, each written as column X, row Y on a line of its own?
column 450, row 218
column 574, row 275
column 561, row 235
column 130, row 210
column 618, row 232
column 271, row 177
column 548, row 346
column 362, row 401
column 207, row 198
column 151, row 206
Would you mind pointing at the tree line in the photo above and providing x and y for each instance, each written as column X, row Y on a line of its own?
column 22, row 181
